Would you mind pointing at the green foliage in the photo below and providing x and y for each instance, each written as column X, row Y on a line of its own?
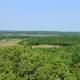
column 51, row 40
column 19, row 63
column 26, row 63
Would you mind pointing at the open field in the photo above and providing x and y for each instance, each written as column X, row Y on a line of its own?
column 11, row 42
column 45, row 46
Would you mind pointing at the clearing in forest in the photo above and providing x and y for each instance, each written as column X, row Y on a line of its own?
column 46, row 46
column 10, row 42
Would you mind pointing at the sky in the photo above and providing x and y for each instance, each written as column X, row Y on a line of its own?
column 40, row 15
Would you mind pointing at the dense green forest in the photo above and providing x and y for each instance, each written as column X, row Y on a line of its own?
column 22, row 62
column 52, row 40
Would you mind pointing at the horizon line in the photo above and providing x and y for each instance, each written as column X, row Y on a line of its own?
column 36, row 31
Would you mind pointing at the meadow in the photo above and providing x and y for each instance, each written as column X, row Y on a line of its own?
column 39, row 56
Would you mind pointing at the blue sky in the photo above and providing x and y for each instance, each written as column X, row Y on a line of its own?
column 45, row 15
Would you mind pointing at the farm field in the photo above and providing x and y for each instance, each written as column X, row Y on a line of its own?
column 10, row 42
column 26, row 57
